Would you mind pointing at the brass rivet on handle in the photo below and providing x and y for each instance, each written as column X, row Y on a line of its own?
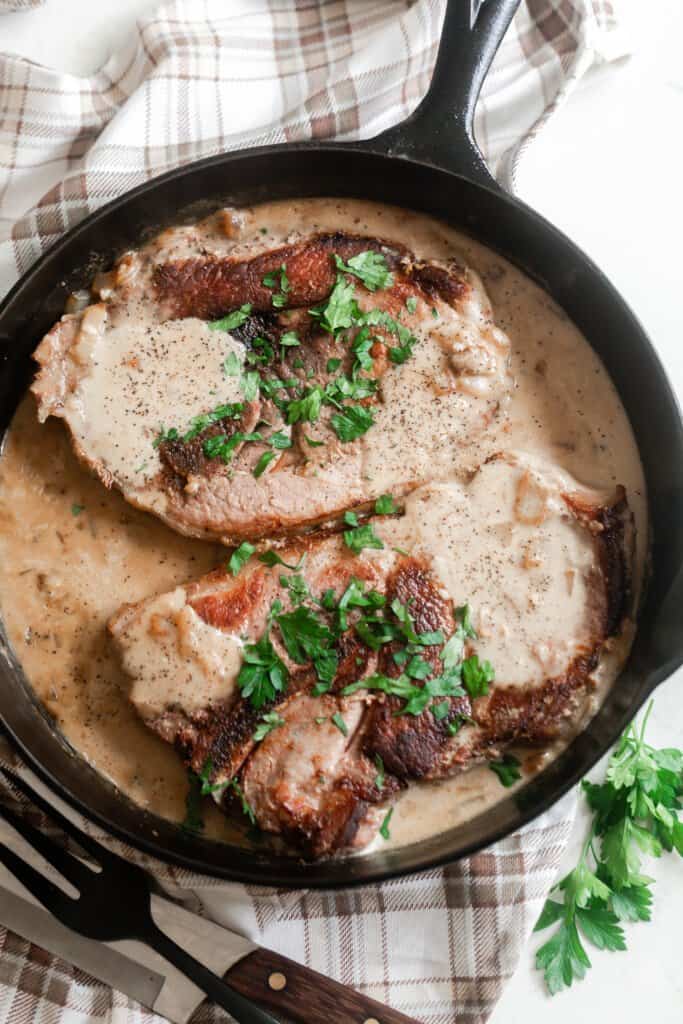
column 371, row 1020
column 278, row 981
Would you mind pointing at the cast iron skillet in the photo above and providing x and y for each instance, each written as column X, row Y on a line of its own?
column 428, row 163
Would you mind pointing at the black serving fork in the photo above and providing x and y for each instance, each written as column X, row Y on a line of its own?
column 113, row 902
column 475, row 7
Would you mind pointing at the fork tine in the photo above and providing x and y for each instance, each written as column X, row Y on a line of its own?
column 50, row 895
column 62, row 860
column 475, row 7
column 91, row 846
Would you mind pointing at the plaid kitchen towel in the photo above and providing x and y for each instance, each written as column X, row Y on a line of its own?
column 197, row 78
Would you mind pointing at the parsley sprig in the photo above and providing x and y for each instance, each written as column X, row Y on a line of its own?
column 635, row 814
column 199, row 785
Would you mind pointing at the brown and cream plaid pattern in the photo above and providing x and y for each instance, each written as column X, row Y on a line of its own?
column 197, row 78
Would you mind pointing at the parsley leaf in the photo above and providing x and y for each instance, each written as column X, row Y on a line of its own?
column 370, row 268
column 247, row 809
column 476, row 676
column 271, row 558
column 280, row 440
column 362, row 537
column 333, row 365
column 307, row 407
column 250, row 383
column 278, row 279
column 271, row 720
column 263, row 463
column 77, row 509
column 563, row 958
column 507, row 769
column 263, row 674
column 240, row 556
column 380, row 776
column 411, row 303
column 232, row 320
column 352, row 423
column 384, row 827
column 385, row 506
column 232, row 366
column 223, row 447
column 337, row 720
column 341, row 308
column 307, row 638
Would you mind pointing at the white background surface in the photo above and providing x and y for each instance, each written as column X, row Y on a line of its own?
column 607, row 170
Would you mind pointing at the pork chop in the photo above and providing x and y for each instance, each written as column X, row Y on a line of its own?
column 252, row 393
column 323, row 678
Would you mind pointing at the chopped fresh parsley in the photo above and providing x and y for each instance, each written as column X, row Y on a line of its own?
column 362, row 537
column 351, row 519
column 232, row 366
column 476, row 676
column 199, row 786
column 77, row 509
column 507, row 769
column 307, row 638
column 385, row 506
column 278, row 279
column 263, row 463
column 289, row 339
column 263, row 674
column 384, row 827
column 361, row 348
column 250, row 383
column 307, row 407
column 344, row 387
column 337, row 720
column 228, row 410
column 165, row 435
column 297, row 587
column 416, row 698
column 223, row 447
column 247, row 809
column 440, row 710
column 232, row 320
column 635, row 813
column 352, row 423
column 333, row 365
column 271, row 558
column 370, row 268
column 411, row 303
column 271, row 720
column 240, row 556
column 380, row 776
column 341, row 309
column 280, row 440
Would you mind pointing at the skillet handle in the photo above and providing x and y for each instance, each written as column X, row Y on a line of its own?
column 440, row 130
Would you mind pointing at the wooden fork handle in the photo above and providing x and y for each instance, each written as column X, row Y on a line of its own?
column 304, row 995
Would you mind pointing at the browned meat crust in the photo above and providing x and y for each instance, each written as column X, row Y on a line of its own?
column 209, row 286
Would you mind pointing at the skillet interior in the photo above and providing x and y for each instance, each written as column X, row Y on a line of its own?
column 524, row 238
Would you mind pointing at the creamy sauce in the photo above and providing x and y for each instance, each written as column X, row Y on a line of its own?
column 65, row 574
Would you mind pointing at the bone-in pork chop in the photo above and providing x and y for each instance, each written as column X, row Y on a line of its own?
column 323, row 678
column 248, row 394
